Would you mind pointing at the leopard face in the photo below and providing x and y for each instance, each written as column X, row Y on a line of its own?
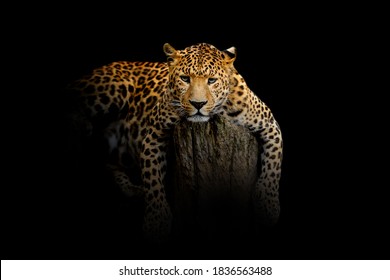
column 199, row 80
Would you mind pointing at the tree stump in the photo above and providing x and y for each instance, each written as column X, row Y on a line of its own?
column 215, row 170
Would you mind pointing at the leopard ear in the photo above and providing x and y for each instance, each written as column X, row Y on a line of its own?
column 171, row 53
column 230, row 55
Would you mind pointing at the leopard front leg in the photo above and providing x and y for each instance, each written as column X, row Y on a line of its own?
column 259, row 120
column 158, row 215
column 265, row 196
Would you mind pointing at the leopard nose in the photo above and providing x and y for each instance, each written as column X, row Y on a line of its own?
column 198, row 105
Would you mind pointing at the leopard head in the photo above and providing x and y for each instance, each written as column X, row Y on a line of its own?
column 199, row 79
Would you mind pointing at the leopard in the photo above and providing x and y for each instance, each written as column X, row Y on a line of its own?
column 137, row 104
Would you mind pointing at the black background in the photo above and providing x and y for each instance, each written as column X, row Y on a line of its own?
column 307, row 65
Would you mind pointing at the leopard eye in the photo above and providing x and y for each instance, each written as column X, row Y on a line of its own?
column 211, row 80
column 185, row 79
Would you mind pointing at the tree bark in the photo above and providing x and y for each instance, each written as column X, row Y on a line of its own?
column 215, row 170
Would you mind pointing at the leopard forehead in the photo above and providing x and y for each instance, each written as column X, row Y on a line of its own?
column 201, row 60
